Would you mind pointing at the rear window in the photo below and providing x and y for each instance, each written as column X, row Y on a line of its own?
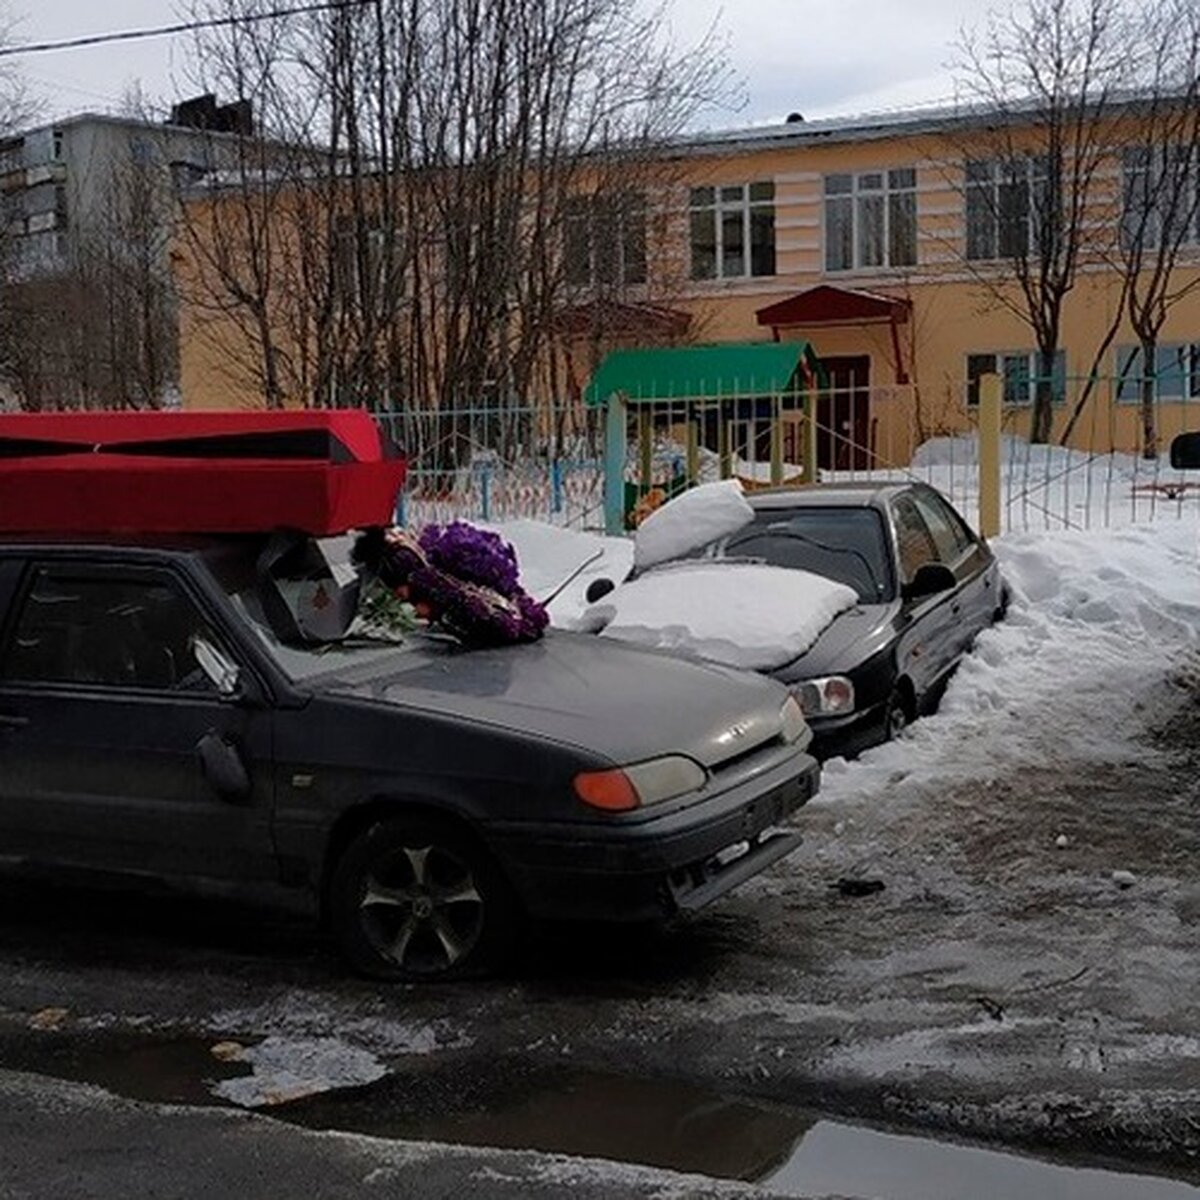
column 848, row 545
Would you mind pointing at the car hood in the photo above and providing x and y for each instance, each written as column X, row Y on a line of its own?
column 851, row 638
column 623, row 703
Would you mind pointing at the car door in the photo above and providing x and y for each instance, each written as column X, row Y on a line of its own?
column 971, row 561
column 928, row 645
column 103, row 709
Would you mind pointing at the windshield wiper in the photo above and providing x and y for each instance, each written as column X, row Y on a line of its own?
column 783, row 531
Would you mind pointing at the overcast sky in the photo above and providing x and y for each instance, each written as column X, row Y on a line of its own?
column 816, row 57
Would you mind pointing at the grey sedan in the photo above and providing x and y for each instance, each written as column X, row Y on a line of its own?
column 155, row 724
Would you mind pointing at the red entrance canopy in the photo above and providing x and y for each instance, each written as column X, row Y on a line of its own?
column 830, row 305
column 319, row 472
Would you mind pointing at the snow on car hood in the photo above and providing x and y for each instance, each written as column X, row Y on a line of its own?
column 738, row 614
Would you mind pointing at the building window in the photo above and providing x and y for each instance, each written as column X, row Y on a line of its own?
column 368, row 277
column 604, row 240
column 1009, row 204
column 871, row 219
column 1176, row 372
column 1018, row 371
column 1158, row 197
column 733, row 231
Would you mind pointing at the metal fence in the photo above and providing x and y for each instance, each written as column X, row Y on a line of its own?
column 490, row 463
column 493, row 462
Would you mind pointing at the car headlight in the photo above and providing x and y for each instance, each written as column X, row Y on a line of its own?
column 651, row 782
column 793, row 726
column 830, row 696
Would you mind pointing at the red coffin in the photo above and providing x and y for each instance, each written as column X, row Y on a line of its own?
column 214, row 472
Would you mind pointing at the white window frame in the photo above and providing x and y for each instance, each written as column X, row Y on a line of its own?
column 1145, row 164
column 1129, row 389
column 861, row 188
column 585, row 215
column 1000, row 360
column 721, row 205
column 1002, row 173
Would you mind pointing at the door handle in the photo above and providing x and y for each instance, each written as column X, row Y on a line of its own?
column 955, row 608
column 7, row 722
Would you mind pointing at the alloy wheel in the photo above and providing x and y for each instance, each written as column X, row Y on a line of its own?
column 421, row 909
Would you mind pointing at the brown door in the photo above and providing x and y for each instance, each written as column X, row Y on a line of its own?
column 844, row 415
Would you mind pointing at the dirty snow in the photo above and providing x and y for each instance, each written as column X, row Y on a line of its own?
column 286, row 1069
column 699, row 516
column 738, row 614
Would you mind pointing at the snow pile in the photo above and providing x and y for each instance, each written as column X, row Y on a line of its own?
column 1100, row 622
column 739, row 614
column 697, row 517
column 557, row 564
column 288, row 1069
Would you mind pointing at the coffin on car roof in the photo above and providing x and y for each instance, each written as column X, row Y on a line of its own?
column 319, row 472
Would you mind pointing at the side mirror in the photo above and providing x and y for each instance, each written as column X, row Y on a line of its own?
column 930, row 579
column 222, row 671
column 1185, row 452
column 598, row 589
column 223, row 768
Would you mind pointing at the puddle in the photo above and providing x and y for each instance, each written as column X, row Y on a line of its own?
column 682, row 1128
column 652, row 1122
column 851, row 1160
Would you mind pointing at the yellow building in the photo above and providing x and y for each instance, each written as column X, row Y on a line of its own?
column 887, row 244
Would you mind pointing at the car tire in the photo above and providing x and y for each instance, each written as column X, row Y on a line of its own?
column 415, row 899
column 897, row 716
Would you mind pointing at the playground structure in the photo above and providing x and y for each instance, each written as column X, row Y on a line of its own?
column 747, row 402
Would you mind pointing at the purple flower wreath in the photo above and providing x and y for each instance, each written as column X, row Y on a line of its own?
column 465, row 579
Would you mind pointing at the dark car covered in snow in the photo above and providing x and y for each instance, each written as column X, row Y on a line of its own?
column 924, row 587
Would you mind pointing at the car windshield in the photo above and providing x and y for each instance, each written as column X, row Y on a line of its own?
column 844, row 544
column 349, row 644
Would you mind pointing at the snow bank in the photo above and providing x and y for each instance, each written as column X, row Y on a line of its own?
column 1100, row 623
column 699, row 516
column 739, row 614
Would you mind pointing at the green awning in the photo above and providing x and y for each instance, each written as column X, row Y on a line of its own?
column 682, row 373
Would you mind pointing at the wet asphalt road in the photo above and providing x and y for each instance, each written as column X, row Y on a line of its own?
column 1000, row 987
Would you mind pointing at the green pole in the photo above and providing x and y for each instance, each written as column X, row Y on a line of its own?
column 615, row 435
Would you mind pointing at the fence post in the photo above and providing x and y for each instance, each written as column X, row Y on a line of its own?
column 810, row 437
column 990, row 402
column 556, row 486
column 693, row 449
column 645, row 448
column 485, row 489
column 615, row 449
column 776, row 441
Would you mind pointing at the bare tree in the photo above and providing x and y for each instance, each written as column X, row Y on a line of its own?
column 1051, row 79
column 1159, row 153
column 466, row 170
